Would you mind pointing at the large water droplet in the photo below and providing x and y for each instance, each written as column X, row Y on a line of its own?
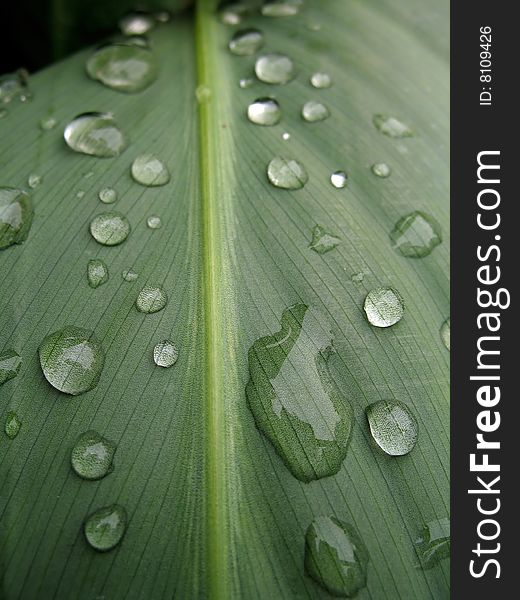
column 313, row 111
column 274, row 68
column 72, row 360
column 96, row 134
column 287, row 8
column 136, row 23
column 393, row 426
column 246, row 42
column 97, row 273
column 322, row 241
column 445, row 332
column 105, row 528
column 434, row 543
column 415, row 235
column 151, row 299
column 381, row 170
column 321, row 80
column 384, row 307
column 335, row 556
column 34, row 180
column 123, row 67
column 391, row 126
column 149, row 170
column 107, row 195
column 165, row 354
column 16, row 215
column 264, row 111
column 129, row 275
column 287, row 173
column 294, row 400
column 10, row 362
column 12, row 425
column 154, row 222
column 47, row 123
column 110, row 228
column 92, row 455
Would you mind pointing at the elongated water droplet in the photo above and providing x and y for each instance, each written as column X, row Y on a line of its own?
column 393, row 426
column 123, row 67
column 245, row 83
column 246, row 42
column 136, row 23
column 12, row 425
column 92, row 455
column 96, row 134
column 274, row 68
column 149, row 170
column 335, row 556
column 34, row 180
column 358, row 277
column 97, row 273
column 151, row 299
column 322, row 241
column 287, row 173
column 129, row 275
column 154, row 222
column 445, row 333
column 72, row 360
column 391, row 126
column 415, row 235
column 107, row 195
column 48, row 123
column 313, row 111
column 110, row 228
column 105, row 528
column 294, row 400
column 10, row 362
column 16, row 215
column 165, row 354
column 281, row 9
column 321, row 80
column 381, row 170
column 384, row 307
column 434, row 543
column 339, row 179
column 264, row 111
column 88, row 174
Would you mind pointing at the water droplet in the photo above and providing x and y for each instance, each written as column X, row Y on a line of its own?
column 34, row 180
column 13, row 85
column 245, row 83
column 286, row 136
column 12, row 425
column 92, row 455
column 335, row 556
column 203, row 94
column 287, row 173
column 274, row 68
column 281, row 9
column 322, row 241
column 393, row 426
column 10, row 362
column 48, row 123
column 231, row 13
column 246, row 42
column 384, row 307
column 165, row 354
column 123, row 67
column 105, row 528
column 110, row 228
column 391, row 126
column 381, row 170
column 163, row 16
column 434, row 543
column 264, row 111
column 313, row 111
column 129, row 275
column 149, row 170
column 80, row 194
column 415, row 235
column 151, row 299
column 16, row 215
column 154, row 222
column 3, row 112
column 294, row 400
column 445, row 333
column 72, row 360
column 97, row 273
column 136, row 23
column 321, row 80
column 88, row 174
column 358, row 277
column 96, row 134
column 107, row 195
column 339, row 179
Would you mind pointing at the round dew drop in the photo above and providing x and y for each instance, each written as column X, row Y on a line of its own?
column 110, row 228
column 95, row 134
column 151, row 299
column 274, row 68
column 384, row 307
column 97, row 273
column 148, row 170
column 105, row 528
column 136, row 23
column 320, row 80
column 286, row 173
column 165, row 354
column 264, row 111
column 154, row 222
column 92, row 455
column 129, row 275
column 246, row 42
column 381, row 170
column 339, row 179
column 313, row 112
column 393, row 426
column 34, row 180
column 107, row 195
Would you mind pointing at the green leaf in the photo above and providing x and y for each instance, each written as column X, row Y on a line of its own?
column 213, row 509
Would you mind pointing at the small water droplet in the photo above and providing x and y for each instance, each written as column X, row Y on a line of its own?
column 381, row 170
column 445, row 333
column 322, row 241
column 136, row 23
column 434, row 543
column 313, row 112
column 165, row 354
column 97, row 273
column 92, row 456
column 203, row 94
column 80, row 194
column 3, row 112
column 110, row 228
column 391, row 126
column 88, row 174
column 393, row 426
column 107, row 195
column 281, row 9
column 358, row 277
column 12, row 425
column 286, row 136
column 415, row 235
column 163, row 16
column 96, row 134
column 294, row 400
column 129, row 275
column 245, row 83
column 34, row 180
column 335, row 556
column 13, row 85
column 16, row 215
column 321, row 80
column 232, row 13
column 339, row 179
column 154, row 222
column 264, row 111
column 384, row 307
column 105, row 528
column 48, row 123
column 72, row 360
column 274, row 68
column 286, row 173
column 150, row 171
column 246, row 42
column 10, row 362
column 151, row 299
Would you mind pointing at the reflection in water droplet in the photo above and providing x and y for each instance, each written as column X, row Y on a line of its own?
column 136, row 23
column 34, row 180
column 274, row 68
column 16, row 215
column 322, row 241
column 393, row 426
column 381, row 170
column 287, row 173
column 339, row 179
column 110, row 228
column 294, row 400
column 72, row 360
column 287, row 8
column 264, row 111
column 315, row 111
column 246, row 42
column 154, row 222
column 151, row 299
column 48, row 123
column 335, row 556
column 129, row 275
column 107, row 195
column 245, row 83
column 384, row 307
column 415, row 235
column 445, row 333
column 92, row 455
column 105, row 528
column 321, row 80
column 391, row 126
column 96, row 134
column 434, row 543
column 12, row 425
column 97, row 273
column 165, row 354
column 150, row 171
column 10, row 362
